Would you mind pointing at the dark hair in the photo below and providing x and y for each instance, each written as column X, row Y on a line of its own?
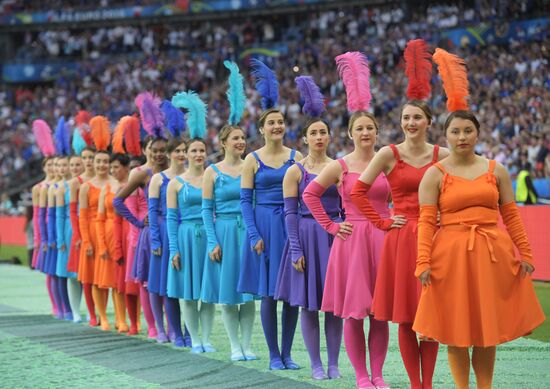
column 188, row 143
column 88, row 148
column 174, row 143
column 150, row 139
column 461, row 114
column 139, row 158
column 419, row 104
column 107, row 152
column 360, row 114
column 265, row 114
column 46, row 159
column 75, row 156
column 225, row 131
column 123, row 159
column 313, row 121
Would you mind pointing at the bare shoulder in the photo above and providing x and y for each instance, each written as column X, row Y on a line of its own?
column 298, row 156
column 156, row 180
column 294, row 172
column 443, row 153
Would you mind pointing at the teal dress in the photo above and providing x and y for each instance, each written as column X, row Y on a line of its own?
column 63, row 235
column 187, row 238
column 219, row 285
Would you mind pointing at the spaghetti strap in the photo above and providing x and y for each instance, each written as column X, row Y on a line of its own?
column 292, row 155
column 180, row 180
column 440, row 167
column 436, row 154
column 80, row 180
column 492, row 164
column 150, row 172
column 343, row 164
column 395, row 152
column 216, row 169
column 164, row 176
column 302, row 168
column 258, row 159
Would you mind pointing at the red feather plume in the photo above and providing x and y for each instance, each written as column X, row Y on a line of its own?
column 131, row 127
column 418, row 69
column 82, row 121
column 101, row 133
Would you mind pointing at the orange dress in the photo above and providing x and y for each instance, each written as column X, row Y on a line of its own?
column 477, row 296
column 87, row 219
column 105, row 269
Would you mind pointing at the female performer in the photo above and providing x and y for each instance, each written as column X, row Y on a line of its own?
column 301, row 277
column 262, row 178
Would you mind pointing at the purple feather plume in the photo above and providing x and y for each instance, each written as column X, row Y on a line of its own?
column 151, row 115
column 314, row 101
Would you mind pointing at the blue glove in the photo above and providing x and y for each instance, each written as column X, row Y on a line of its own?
column 291, row 221
column 153, row 210
column 51, row 226
column 248, row 216
column 172, row 224
column 60, row 226
column 123, row 211
column 42, row 226
column 208, row 219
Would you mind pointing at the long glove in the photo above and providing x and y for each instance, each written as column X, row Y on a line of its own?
column 248, row 216
column 60, row 226
column 51, row 226
column 100, row 231
column 84, row 225
column 312, row 197
column 123, row 211
column 208, row 220
column 427, row 226
column 42, row 226
column 291, row 221
column 73, row 206
column 154, row 229
column 361, row 201
column 172, row 224
column 516, row 230
column 36, row 225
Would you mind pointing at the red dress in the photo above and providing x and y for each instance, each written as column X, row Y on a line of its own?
column 397, row 289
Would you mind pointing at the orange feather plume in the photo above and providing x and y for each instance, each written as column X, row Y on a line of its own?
column 131, row 134
column 452, row 70
column 118, row 139
column 101, row 133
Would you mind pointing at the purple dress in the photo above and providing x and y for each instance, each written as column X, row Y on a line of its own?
column 306, row 289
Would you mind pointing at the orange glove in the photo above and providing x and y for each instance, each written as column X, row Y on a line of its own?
column 84, row 225
column 516, row 230
column 118, row 238
column 100, row 230
column 427, row 226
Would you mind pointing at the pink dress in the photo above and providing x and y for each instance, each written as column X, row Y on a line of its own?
column 353, row 263
column 137, row 204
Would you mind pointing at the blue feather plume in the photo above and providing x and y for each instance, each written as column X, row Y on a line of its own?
column 196, row 112
column 235, row 93
column 79, row 143
column 314, row 101
column 62, row 137
column 174, row 120
column 266, row 83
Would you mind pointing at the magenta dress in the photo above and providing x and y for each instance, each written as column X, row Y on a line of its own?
column 353, row 263
column 137, row 204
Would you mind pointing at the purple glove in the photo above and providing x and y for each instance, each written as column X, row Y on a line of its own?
column 291, row 221
column 42, row 226
column 123, row 211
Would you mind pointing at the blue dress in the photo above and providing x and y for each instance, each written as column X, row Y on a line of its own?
column 259, row 272
column 158, row 266
column 142, row 256
column 64, row 233
column 190, row 242
column 219, row 285
column 51, row 254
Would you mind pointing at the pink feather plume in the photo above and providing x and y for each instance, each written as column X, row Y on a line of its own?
column 354, row 71
column 43, row 137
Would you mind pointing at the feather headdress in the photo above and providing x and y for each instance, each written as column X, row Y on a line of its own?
column 314, row 101
column 418, row 69
column 266, row 83
column 151, row 116
column 196, row 112
column 79, row 144
column 235, row 93
column 130, row 124
column 101, row 133
column 63, row 137
column 118, row 139
column 452, row 70
column 82, row 122
column 174, row 119
column 43, row 137
column 353, row 67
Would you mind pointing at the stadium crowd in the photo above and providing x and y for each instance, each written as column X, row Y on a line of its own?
column 509, row 84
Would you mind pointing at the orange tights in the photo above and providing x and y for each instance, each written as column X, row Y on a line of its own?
column 483, row 362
